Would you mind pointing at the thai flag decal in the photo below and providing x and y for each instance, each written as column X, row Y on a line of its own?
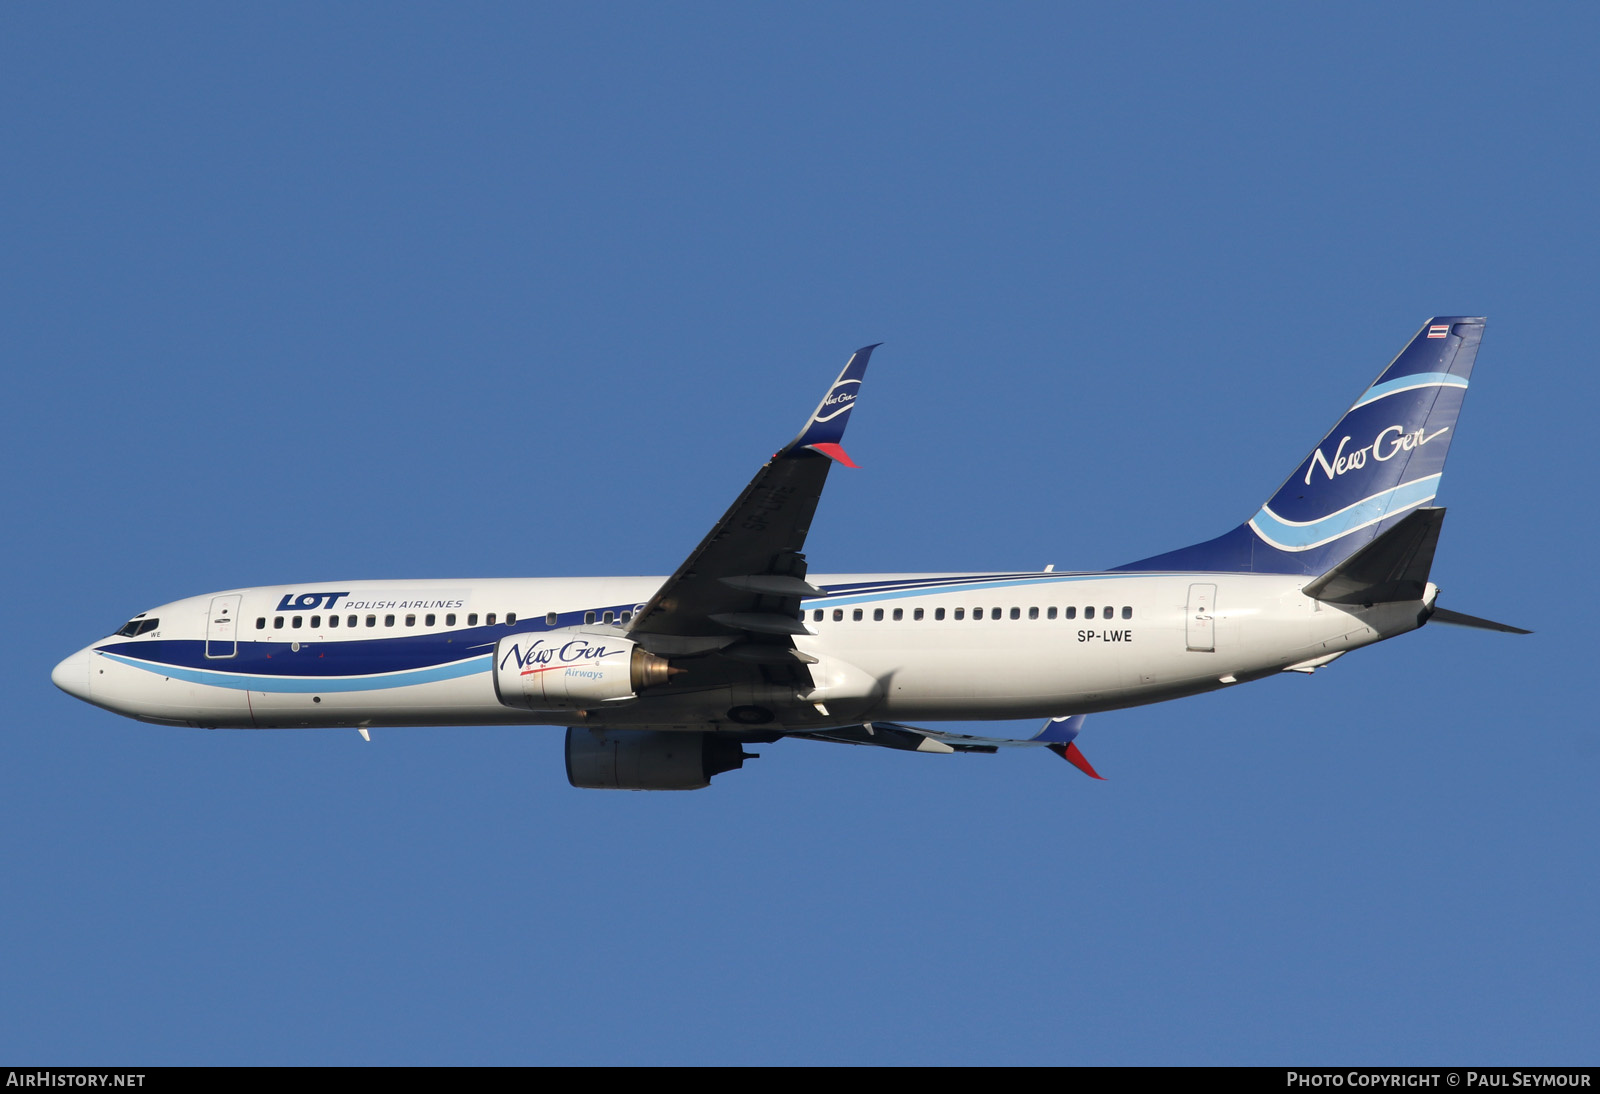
column 1439, row 330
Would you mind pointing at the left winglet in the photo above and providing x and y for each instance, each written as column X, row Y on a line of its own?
column 825, row 430
column 1070, row 753
column 1059, row 736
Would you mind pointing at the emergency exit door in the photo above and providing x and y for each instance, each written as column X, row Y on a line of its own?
column 1201, row 618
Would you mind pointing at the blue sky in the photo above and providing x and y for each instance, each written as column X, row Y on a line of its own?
column 319, row 292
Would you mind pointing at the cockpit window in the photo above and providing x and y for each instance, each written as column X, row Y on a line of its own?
column 136, row 627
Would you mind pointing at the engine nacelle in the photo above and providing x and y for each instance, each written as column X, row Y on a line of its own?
column 648, row 759
column 567, row 671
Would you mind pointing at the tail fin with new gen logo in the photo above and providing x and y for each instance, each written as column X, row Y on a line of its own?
column 1382, row 460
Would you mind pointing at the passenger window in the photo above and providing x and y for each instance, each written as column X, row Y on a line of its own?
column 316, row 621
column 1049, row 613
column 899, row 614
column 261, row 622
column 838, row 614
column 429, row 619
column 472, row 619
column 388, row 621
column 1072, row 613
column 856, row 615
column 606, row 618
column 938, row 613
column 977, row 613
column 1033, row 613
column 588, row 617
column 994, row 613
column 916, row 613
column 489, row 619
column 277, row 622
column 1016, row 613
column 1127, row 613
column 350, row 622
column 511, row 618
column 816, row 616
column 372, row 621
column 333, row 621
column 877, row 615
column 551, row 619
column 411, row 621
column 960, row 613
column 450, row 619
column 1108, row 613
column 1088, row 613
column 296, row 622
column 629, row 615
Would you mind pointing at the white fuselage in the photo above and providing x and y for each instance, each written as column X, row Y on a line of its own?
column 889, row 647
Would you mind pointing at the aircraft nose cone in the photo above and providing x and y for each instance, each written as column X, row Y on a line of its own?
column 72, row 675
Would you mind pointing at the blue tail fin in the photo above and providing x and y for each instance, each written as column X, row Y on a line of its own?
column 1384, row 458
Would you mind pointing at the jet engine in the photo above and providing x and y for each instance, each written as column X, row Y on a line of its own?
column 567, row 671
column 648, row 759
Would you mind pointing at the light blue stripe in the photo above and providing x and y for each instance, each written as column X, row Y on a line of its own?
column 1301, row 537
column 869, row 598
column 323, row 685
column 1420, row 379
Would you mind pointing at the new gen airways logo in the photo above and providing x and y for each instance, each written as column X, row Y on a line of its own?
column 542, row 658
column 839, row 400
column 1388, row 444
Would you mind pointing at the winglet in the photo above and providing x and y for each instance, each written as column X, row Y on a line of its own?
column 834, row 452
column 825, row 429
column 1070, row 753
column 1059, row 735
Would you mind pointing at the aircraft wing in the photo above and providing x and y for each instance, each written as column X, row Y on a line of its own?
column 1058, row 735
column 736, row 598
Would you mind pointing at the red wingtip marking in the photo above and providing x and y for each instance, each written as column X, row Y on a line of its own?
column 1079, row 761
column 834, row 452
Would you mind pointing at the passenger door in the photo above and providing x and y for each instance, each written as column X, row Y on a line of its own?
column 222, row 626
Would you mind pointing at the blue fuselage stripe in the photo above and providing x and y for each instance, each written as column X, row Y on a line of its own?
column 319, row 684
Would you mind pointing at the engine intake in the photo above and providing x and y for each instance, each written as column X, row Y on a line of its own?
column 573, row 671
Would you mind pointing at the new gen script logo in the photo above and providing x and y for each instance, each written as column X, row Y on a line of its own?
column 542, row 658
column 1385, row 446
column 839, row 400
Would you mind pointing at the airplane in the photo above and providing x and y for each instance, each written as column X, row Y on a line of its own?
column 662, row 683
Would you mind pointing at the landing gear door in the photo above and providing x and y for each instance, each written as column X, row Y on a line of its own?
column 222, row 626
column 1200, row 618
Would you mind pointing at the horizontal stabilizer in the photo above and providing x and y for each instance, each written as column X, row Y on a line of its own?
column 1393, row 567
column 1459, row 619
